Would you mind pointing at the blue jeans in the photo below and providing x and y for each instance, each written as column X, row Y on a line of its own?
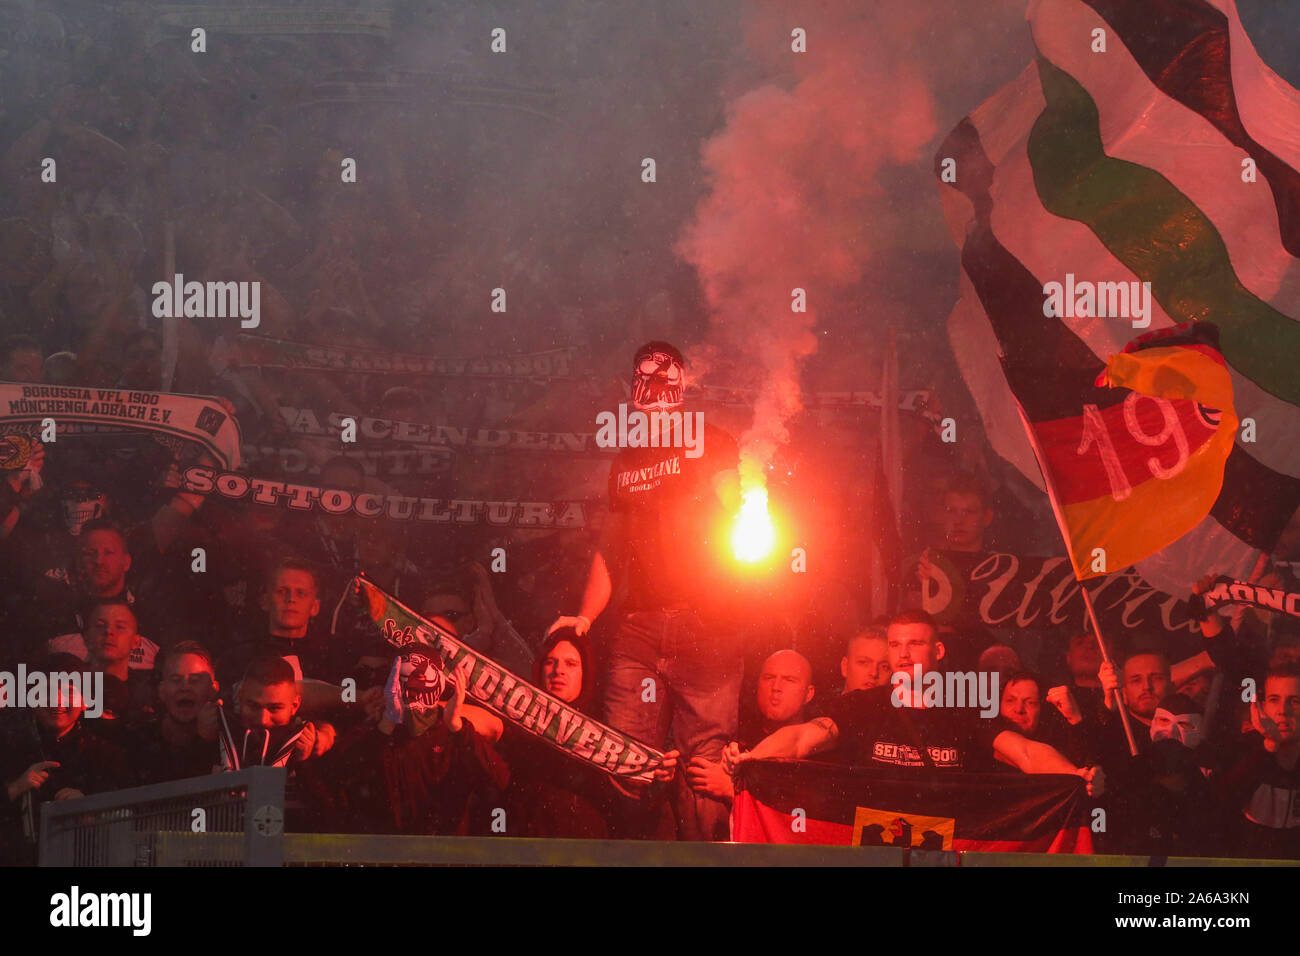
column 696, row 676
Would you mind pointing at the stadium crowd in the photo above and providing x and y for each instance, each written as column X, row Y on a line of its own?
column 224, row 632
column 260, row 646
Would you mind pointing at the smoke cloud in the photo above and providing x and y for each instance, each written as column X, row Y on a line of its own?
column 795, row 180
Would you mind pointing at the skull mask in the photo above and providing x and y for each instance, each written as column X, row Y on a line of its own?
column 423, row 681
column 81, row 502
column 658, row 378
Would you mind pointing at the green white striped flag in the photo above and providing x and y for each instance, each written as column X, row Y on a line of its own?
column 1147, row 143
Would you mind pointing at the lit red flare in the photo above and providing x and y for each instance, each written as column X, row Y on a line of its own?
column 754, row 534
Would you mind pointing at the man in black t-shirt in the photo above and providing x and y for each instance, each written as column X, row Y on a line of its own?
column 51, row 753
column 1083, row 658
column 112, row 637
column 785, row 690
column 672, row 649
column 1140, row 681
column 101, row 559
column 291, row 602
column 892, row 727
column 873, row 731
column 178, row 743
column 1262, row 785
column 1060, row 725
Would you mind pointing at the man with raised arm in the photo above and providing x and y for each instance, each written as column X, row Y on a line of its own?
column 669, row 653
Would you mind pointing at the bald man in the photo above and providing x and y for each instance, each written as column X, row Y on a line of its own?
column 785, row 688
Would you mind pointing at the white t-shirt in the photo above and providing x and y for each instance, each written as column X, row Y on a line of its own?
column 141, row 659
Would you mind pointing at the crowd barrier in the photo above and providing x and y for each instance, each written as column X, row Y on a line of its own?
column 226, row 819
column 242, row 824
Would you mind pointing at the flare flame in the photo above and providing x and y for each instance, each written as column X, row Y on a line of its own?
column 754, row 534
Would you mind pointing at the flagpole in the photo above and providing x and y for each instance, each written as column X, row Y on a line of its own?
column 1119, row 700
column 171, row 323
column 1087, row 598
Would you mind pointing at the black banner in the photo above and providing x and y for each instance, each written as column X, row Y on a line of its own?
column 995, row 589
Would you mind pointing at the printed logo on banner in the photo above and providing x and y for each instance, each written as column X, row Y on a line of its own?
column 15, row 450
column 1226, row 590
column 210, row 420
column 943, row 592
column 394, row 633
column 890, row 828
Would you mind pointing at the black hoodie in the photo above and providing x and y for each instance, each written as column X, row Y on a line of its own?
column 551, row 794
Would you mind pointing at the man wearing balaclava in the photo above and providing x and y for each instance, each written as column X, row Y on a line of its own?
column 674, row 669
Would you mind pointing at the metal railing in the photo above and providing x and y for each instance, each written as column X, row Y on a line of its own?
column 344, row 849
column 243, row 825
column 227, row 819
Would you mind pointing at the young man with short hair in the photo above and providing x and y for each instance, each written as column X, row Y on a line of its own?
column 1142, row 679
column 291, row 602
column 1261, row 789
column 866, row 660
column 264, row 728
column 178, row 742
column 112, row 639
column 967, row 514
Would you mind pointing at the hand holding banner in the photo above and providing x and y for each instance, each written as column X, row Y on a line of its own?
column 1225, row 590
column 532, row 710
column 199, row 419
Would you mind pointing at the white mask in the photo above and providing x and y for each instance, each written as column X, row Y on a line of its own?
column 1185, row 728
